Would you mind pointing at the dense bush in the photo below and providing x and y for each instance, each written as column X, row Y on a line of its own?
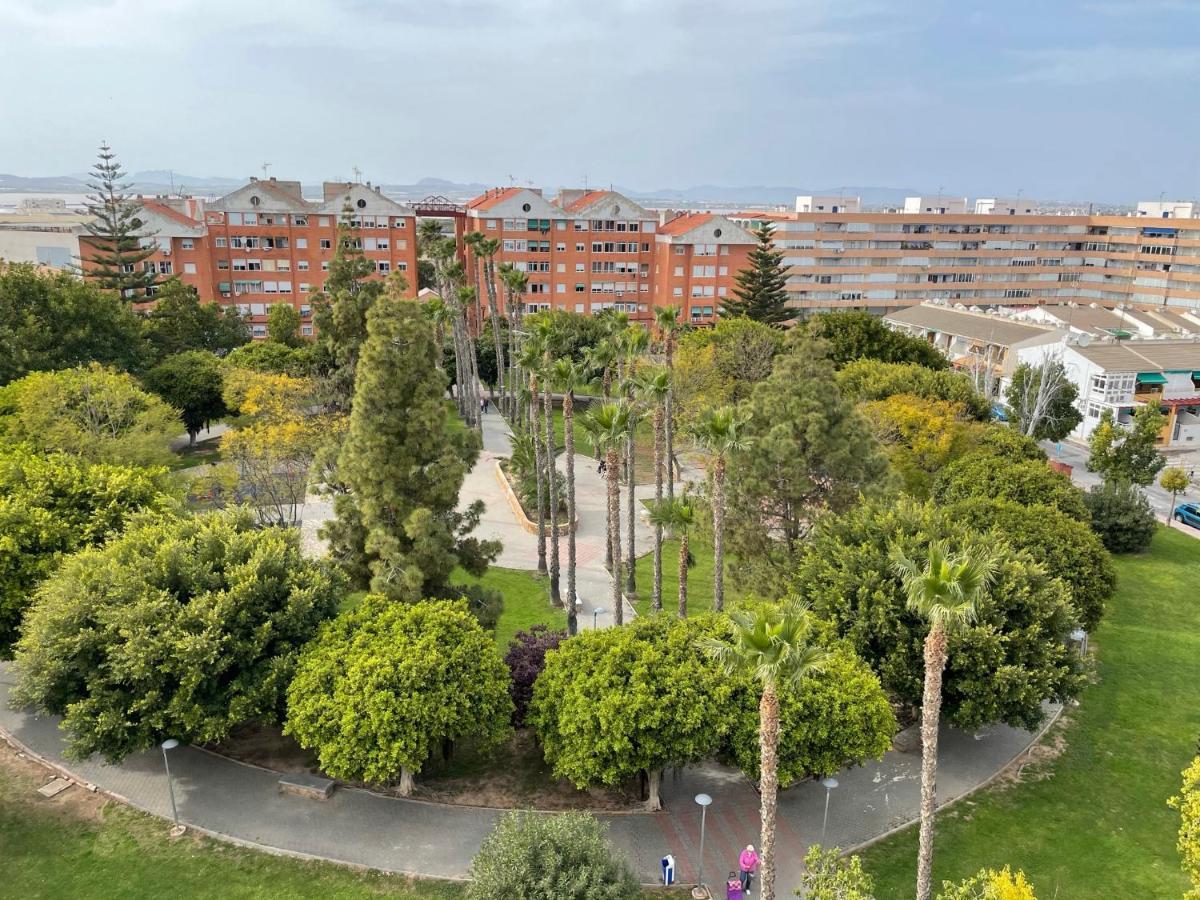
column 1188, row 804
column 178, row 628
column 853, row 335
column 1029, row 483
column 540, row 857
column 526, row 657
column 1122, row 516
column 870, row 379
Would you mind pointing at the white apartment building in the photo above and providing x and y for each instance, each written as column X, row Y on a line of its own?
column 1168, row 209
column 940, row 205
column 1001, row 206
column 831, row 204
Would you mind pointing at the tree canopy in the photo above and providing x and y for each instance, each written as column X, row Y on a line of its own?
column 761, row 292
column 720, row 365
column 1121, row 515
column 91, row 412
column 1011, row 658
column 191, row 382
column 179, row 627
column 273, row 358
column 180, row 322
column 1188, row 804
column 852, row 335
column 871, row 379
column 1029, row 482
column 1041, row 400
column 381, row 687
column 1128, row 454
column 283, row 325
column 921, row 436
column 115, row 232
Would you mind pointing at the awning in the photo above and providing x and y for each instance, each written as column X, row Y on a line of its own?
column 1151, row 378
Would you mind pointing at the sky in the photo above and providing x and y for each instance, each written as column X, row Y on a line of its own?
column 1059, row 99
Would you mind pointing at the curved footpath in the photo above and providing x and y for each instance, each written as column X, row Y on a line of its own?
column 243, row 803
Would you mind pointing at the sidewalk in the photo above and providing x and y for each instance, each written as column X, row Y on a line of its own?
column 243, row 803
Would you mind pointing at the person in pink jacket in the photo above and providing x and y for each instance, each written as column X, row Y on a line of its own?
column 747, row 864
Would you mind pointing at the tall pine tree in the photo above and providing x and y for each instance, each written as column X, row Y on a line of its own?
column 115, row 232
column 402, row 465
column 761, row 292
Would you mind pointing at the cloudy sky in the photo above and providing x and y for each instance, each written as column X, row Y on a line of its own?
column 1078, row 99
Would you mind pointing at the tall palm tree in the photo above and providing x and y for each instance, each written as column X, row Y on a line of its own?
column 472, row 240
column 655, row 387
column 488, row 248
column 667, row 320
column 567, row 376
column 777, row 647
column 515, row 284
column 607, row 425
column 635, row 341
column 438, row 314
column 531, row 359
column 601, row 358
column 945, row 591
column 678, row 515
column 543, row 332
column 466, row 297
column 720, row 431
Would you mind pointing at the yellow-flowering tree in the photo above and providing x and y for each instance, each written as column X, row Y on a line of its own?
column 1188, row 804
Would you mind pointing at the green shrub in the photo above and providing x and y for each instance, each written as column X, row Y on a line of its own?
column 1122, row 516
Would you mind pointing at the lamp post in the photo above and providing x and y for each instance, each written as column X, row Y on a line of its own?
column 170, row 744
column 830, row 783
column 596, row 612
column 704, row 801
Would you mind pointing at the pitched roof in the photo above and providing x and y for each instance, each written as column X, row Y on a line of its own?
column 490, row 198
column 279, row 193
column 971, row 325
column 163, row 210
column 1143, row 356
column 587, row 198
column 684, row 223
column 364, row 200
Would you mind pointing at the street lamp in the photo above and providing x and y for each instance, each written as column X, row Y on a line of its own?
column 830, row 783
column 170, row 744
column 704, row 802
column 595, row 612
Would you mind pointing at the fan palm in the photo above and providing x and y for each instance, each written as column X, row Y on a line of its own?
column 655, row 387
column 607, row 425
column 634, row 342
column 543, row 332
column 678, row 515
column 720, row 431
column 530, row 362
column 666, row 318
column 944, row 591
column 777, row 647
column 567, row 376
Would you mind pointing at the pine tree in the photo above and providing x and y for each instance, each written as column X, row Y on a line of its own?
column 403, row 465
column 761, row 292
column 115, row 232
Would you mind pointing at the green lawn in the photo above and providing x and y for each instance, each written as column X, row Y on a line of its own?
column 200, row 453
column 700, row 578
column 1094, row 822
column 526, row 600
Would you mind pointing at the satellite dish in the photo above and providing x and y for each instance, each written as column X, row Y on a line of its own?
column 1084, row 340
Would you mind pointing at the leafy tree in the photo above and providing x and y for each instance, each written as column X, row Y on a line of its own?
column 994, row 439
column 273, row 358
column 945, row 590
column 526, row 657
column 988, row 884
column 1001, row 668
column 720, row 432
column 1174, row 481
column 51, row 505
column 56, row 321
column 921, row 436
column 1188, row 804
column 761, row 292
column 1041, row 400
column 618, row 702
column 719, row 366
column 1122, row 516
column 191, row 382
column 809, row 451
column 852, row 335
column 1128, row 454
column 776, row 647
column 1064, row 546
column 1030, row 483
column 115, row 232
column 283, row 325
column 179, row 628
column 403, row 466
column 91, row 412
column 870, row 379
column 180, row 322
column 829, row 876
column 539, row 857
column 415, row 675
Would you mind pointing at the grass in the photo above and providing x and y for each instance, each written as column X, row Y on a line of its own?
column 1094, row 822
column 700, row 578
column 199, row 454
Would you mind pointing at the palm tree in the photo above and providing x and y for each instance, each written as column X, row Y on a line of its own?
column 776, row 646
column 472, row 240
column 488, row 248
column 945, row 592
column 531, row 357
column 635, row 341
column 438, row 314
column 607, row 425
column 466, row 297
column 544, row 333
column 515, row 284
column 720, row 432
column 679, row 516
column 655, row 387
column 567, row 377
column 601, row 358
column 667, row 320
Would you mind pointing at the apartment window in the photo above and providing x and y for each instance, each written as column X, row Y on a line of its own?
column 645, row 248
column 219, row 242
column 705, row 250
column 538, row 287
column 302, row 265
column 383, row 266
column 677, row 292
column 680, row 249
column 323, row 221
column 249, row 218
column 189, row 268
column 285, row 287
column 223, row 264
column 305, row 287
column 560, row 267
column 254, row 265
column 580, row 288
column 400, row 223
column 164, row 268
column 383, row 244
column 324, row 265
column 679, row 271
column 560, row 288
column 305, row 310
column 300, row 221
column 722, row 270
column 578, row 267
column 402, row 267
column 724, row 251
column 270, row 287
column 326, row 244
column 579, row 248
column 187, row 244
column 369, row 244
column 234, row 218
column 560, row 247
column 301, row 243
column 704, row 271
column 491, row 224
column 560, row 224
column 581, row 225
column 258, row 330
column 284, row 265
column 306, row 330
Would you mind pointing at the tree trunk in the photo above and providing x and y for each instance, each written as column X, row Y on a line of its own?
column 569, row 439
column 931, row 709
column 653, row 790
column 552, row 492
column 614, row 532
column 534, row 425
column 631, row 525
column 669, row 415
column 406, row 781
column 489, row 271
column 656, row 591
column 768, row 737
column 719, row 534
column 683, row 572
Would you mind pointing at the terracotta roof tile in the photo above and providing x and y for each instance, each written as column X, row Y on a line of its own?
column 587, row 199
column 492, row 197
column 685, row 223
column 163, row 210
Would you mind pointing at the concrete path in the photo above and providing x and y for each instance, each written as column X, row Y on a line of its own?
column 243, row 803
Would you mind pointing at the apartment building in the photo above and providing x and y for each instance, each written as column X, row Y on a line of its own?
column 587, row 251
column 968, row 337
column 881, row 261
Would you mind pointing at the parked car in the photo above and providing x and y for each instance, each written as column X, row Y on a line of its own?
column 1188, row 514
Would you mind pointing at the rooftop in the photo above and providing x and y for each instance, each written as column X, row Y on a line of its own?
column 1143, row 356
column 972, row 325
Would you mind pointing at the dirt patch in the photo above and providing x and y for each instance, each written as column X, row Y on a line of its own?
column 512, row 777
column 23, row 776
column 1037, row 763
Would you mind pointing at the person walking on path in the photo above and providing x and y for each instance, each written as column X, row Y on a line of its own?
column 747, row 863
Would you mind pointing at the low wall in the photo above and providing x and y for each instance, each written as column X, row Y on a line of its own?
column 518, row 511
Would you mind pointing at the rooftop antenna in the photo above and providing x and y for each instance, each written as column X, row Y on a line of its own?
column 585, row 187
column 264, row 167
column 511, row 180
column 357, row 174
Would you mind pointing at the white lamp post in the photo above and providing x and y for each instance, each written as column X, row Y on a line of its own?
column 830, row 783
column 170, row 744
column 704, row 802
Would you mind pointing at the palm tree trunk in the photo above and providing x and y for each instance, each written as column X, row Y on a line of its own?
column 630, row 526
column 538, row 461
column 931, row 710
column 656, row 591
column 614, row 531
column 683, row 572
column 669, row 414
column 489, row 270
column 569, row 439
column 768, row 786
column 552, row 492
column 719, row 534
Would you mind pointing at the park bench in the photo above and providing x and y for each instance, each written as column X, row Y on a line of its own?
column 302, row 784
